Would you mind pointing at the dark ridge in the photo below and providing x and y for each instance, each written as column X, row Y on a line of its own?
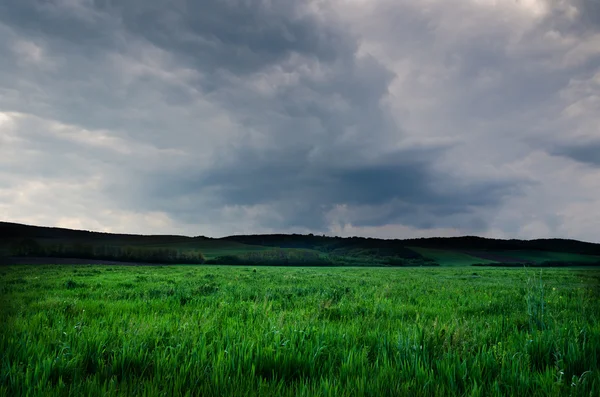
column 353, row 246
column 488, row 244
column 10, row 230
column 450, row 243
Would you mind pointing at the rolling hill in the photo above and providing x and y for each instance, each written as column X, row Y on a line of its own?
column 26, row 241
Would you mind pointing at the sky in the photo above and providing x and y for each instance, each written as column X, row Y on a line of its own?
column 381, row 118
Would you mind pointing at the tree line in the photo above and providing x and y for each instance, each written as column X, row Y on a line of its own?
column 80, row 250
column 291, row 257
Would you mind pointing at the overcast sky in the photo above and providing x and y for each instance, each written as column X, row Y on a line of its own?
column 384, row 118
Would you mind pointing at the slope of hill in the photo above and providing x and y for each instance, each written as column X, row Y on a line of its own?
column 291, row 249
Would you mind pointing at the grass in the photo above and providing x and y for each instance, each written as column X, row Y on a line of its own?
column 545, row 256
column 215, row 330
column 449, row 258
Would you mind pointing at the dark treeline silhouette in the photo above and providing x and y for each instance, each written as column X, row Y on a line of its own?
column 398, row 247
column 353, row 246
column 24, row 240
column 488, row 244
column 390, row 247
column 31, row 248
column 279, row 257
column 17, row 231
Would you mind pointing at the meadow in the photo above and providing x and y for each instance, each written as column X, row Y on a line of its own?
column 327, row 331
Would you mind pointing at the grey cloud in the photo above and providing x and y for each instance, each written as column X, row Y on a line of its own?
column 233, row 39
column 281, row 112
column 402, row 185
column 80, row 28
column 584, row 153
column 240, row 36
column 589, row 13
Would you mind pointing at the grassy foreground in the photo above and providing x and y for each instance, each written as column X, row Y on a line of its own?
column 210, row 330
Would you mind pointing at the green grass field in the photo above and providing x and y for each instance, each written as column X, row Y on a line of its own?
column 214, row 330
column 449, row 258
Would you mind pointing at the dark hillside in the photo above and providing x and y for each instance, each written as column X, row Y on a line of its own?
column 13, row 231
column 34, row 241
column 325, row 243
column 487, row 244
column 335, row 245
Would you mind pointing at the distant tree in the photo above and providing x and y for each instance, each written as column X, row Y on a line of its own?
column 27, row 247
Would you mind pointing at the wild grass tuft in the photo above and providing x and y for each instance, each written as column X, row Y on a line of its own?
column 535, row 302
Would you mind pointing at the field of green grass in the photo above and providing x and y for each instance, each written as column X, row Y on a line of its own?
column 449, row 258
column 239, row 331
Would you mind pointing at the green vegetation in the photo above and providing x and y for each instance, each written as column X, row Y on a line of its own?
column 229, row 330
column 23, row 241
column 450, row 258
column 541, row 257
column 77, row 243
column 32, row 248
column 298, row 257
column 508, row 258
column 211, row 248
column 29, row 248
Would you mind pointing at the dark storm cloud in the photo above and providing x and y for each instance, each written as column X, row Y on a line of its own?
column 303, row 192
column 289, row 113
column 256, row 37
column 220, row 40
column 240, row 36
column 81, row 29
column 589, row 13
column 583, row 153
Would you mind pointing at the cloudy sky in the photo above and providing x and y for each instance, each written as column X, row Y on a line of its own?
column 385, row 118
